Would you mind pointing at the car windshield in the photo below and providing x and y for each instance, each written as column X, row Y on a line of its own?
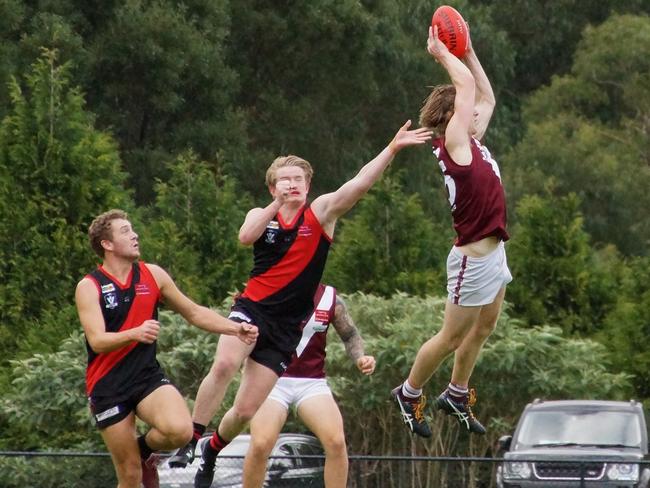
column 579, row 427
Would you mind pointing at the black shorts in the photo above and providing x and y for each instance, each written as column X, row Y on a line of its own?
column 109, row 410
column 273, row 348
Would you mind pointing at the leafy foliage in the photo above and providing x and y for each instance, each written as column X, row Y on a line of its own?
column 627, row 324
column 199, row 97
column 380, row 249
column 587, row 134
column 192, row 230
column 56, row 172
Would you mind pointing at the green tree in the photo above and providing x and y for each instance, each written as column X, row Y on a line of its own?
column 587, row 133
column 56, row 172
column 537, row 30
column 160, row 81
column 551, row 262
column 627, row 325
column 192, row 230
column 389, row 244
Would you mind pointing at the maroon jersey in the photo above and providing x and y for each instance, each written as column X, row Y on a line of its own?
column 289, row 259
column 124, row 306
column 309, row 359
column 475, row 193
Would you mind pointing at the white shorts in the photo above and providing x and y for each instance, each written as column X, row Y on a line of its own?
column 474, row 282
column 293, row 391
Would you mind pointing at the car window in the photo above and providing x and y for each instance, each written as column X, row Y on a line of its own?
column 579, row 427
column 305, row 449
column 282, row 450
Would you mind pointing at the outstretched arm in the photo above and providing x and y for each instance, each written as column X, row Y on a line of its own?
column 198, row 315
column 352, row 341
column 331, row 206
column 485, row 101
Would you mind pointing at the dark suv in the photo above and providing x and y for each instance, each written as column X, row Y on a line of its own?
column 576, row 443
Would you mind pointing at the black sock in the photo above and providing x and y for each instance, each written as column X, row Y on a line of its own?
column 145, row 450
column 199, row 430
column 214, row 446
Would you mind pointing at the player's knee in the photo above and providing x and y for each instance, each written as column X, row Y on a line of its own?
column 261, row 446
column 223, row 369
column 334, row 444
column 244, row 413
column 177, row 433
column 453, row 342
column 181, row 435
column 485, row 330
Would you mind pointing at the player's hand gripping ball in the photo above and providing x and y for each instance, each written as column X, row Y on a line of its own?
column 452, row 30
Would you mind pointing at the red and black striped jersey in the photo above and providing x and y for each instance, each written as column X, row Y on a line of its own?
column 475, row 193
column 289, row 259
column 309, row 359
column 124, row 306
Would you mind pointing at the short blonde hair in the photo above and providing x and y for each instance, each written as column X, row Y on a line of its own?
column 438, row 108
column 283, row 162
column 100, row 229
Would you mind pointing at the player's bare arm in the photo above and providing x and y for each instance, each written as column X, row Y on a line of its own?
column 349, row 334
column 198, row 315
column 92, row 321
column 457, row 132
column 331, row 206
column 258, row 218
column 485, row 101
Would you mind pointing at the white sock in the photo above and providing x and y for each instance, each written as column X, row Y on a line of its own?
column 409, row 392
column 457, row 391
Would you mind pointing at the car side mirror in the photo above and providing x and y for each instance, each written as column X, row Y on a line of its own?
column 504, row 442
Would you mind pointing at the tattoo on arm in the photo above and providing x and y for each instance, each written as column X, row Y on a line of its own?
column 346, row 329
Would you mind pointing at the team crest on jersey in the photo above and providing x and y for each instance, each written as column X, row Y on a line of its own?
column 108, row 288
column 110, row 300
column 304, row 231
column 269, row 238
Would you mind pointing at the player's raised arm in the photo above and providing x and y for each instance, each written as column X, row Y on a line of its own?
column 330, row 206
column 458, row 128
column 484, row 101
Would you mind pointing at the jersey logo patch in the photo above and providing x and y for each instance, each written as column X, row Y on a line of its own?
column 273, row 225
column 108, row 288
column 304, row 231
column 142, row 289
column 322, row 315
column 110, row 299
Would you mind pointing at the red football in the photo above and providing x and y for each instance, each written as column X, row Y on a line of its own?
column 452, row 30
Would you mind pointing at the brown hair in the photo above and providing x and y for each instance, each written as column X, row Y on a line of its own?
column 100, row 229
column 438, row 108
column 284, row 161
